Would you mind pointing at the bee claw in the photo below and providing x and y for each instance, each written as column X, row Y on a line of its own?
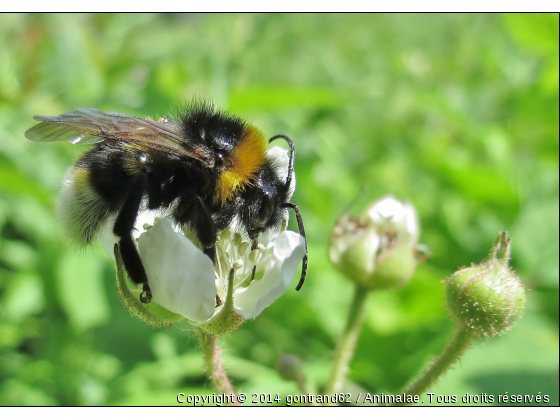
column 146, row 295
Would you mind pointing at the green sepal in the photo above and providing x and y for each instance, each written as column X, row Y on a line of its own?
column 151, row 313
column 357, row 261
column 394, row 268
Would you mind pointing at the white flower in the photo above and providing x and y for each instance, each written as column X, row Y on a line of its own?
column 183, row 279
column 377, row 250
column 276, row 264
column 391, row 214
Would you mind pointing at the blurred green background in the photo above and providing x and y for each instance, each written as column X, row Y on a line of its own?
column 456, row 113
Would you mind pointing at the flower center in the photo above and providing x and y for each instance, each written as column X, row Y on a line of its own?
column 249, row 265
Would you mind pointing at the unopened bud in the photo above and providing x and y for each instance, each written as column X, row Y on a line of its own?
column 378, row 249
column 485, row 299
column 290, row 367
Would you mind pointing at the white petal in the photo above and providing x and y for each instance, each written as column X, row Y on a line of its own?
column 282, row 157
column 412, row 223
column 289, row 248
column 386, row 208
column 145, row 217
column 181, row 276
column 107, row 239
column 392, row 212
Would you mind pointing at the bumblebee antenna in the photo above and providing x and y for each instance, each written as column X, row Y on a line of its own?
column 295, row 208
column 292, row 156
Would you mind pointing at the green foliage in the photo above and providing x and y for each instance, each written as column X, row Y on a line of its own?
column 457, row 114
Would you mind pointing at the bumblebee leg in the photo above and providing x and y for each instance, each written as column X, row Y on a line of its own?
column 123, row 228
column 192, row 210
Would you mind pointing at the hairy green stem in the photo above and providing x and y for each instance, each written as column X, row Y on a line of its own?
column 212, row 355
column 450, row 355
column 347, row 344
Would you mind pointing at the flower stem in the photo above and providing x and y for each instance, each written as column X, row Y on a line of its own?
column 212, row 355
column 450, row 355
column 347, row 343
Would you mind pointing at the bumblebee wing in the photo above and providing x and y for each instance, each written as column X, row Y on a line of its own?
column 47, row 131
column 90, row 125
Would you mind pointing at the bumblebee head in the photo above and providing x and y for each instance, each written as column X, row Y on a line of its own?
column 264, row 204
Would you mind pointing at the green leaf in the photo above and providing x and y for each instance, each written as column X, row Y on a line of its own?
column 81, row 292
column 23, row 297
column 272, row 98
column 536, row 31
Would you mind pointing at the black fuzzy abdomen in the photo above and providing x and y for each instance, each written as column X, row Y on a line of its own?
column 93, row 191
column 99, row 184
column 113, row 166
column 107, row 173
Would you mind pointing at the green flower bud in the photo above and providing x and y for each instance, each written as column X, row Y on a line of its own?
column 290, row 367
column 378, row 249
column 485, row 299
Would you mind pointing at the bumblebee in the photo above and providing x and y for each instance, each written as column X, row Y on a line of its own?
column 204, row 170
